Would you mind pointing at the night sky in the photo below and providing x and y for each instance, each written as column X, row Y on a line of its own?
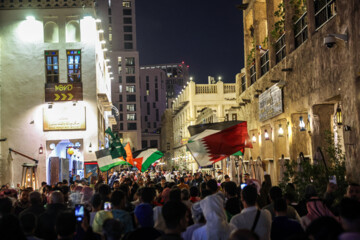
column 206, row 34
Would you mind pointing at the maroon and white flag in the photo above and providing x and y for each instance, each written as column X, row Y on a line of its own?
column 212, row 145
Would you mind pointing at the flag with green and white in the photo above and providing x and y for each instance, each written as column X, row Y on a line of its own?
column 106, row 161
column 116, row 148
column 143, row 159
column 113, row 156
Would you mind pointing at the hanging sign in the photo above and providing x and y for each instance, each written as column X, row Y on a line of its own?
column 270, row 103
column 60, row 92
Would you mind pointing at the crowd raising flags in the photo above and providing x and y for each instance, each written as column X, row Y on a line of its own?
column 117, row 155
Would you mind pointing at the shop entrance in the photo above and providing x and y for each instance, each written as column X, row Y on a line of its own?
column 65, row 160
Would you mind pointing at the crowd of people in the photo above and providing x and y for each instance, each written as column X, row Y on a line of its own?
column 168, row 206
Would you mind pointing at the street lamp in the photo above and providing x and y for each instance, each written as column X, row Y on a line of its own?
column 280, row 131
column 219, row 78
column 339, row 115
column 266, row 135
column 253, row 138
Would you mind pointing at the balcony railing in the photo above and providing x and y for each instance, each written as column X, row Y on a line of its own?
column 280, row 48
column 229, row 88
column 252, row 74
column 205, row 89
column 264, row 62
column 300, row 30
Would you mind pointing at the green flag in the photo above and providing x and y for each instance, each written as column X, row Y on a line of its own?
column 239, row 153
column 116, row 148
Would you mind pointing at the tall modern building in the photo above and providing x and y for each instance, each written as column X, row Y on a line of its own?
column 177, row 76
column 153, row 105
column 118, row 19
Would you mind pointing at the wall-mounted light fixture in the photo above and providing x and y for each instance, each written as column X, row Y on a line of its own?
column 280, row 131
column 30, row 18
column 41, row 150
column 266, row 135
column 302, row 124
column 338, row 115
column 253, row 138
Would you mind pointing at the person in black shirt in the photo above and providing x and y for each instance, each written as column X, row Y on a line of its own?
column 232, row 205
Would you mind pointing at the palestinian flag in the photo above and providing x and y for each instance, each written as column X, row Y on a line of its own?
column 216, row 143
column 106, row 161
column 147, row 157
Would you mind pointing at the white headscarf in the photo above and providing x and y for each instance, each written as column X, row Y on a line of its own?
column 217, row 227
column 196, row 212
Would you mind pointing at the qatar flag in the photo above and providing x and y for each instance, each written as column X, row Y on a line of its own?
column 212, row 145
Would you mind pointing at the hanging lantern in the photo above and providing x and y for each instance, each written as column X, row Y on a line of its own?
column 280, row 131
column 253, row 138
column 90, row 148
column 70, row 151
column 338, row 115
column 266, row 135
column 302, row 124
column 41, row 150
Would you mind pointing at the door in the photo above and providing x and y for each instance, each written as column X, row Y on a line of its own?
column 54, row 163
column 64, row 170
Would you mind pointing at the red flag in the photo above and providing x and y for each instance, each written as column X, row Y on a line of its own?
column 211, row 146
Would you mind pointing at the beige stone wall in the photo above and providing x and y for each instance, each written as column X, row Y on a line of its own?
column 320, row 79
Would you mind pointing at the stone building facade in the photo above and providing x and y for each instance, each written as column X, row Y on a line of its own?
column 198, row 103
column 55, row 88
column 294, row 84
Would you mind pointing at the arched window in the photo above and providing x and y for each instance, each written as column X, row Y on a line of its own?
column 51, row 32
column 73, row 31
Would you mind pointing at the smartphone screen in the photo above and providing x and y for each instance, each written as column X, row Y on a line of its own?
column 107, row 206
column 79, row 212
column 243, row 185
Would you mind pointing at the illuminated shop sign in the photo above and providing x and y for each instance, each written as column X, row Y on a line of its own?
column 62, row 92
column 67, row 117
